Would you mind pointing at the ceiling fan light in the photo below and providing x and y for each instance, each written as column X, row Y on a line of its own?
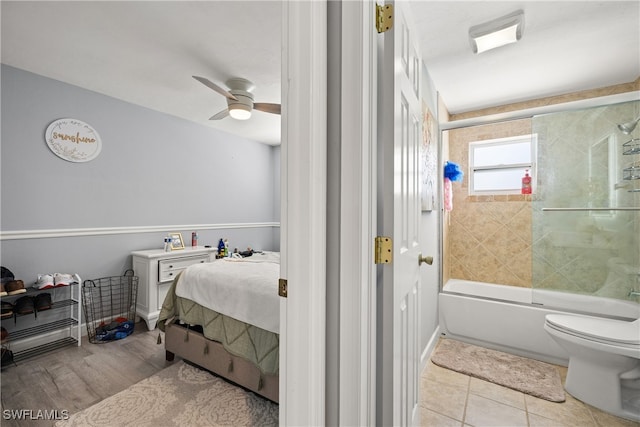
column 240, row 108
column 240, row 112
column 499, row 32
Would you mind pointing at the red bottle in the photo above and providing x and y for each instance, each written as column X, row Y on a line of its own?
column 526, row 183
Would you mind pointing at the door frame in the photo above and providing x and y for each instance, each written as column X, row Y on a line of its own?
column 358, row 216
column 303, row 213
column 306, row 188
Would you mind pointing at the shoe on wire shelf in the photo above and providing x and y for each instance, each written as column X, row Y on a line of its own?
column 64, row 279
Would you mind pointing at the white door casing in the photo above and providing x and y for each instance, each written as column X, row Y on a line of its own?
column 303, row 214
column 400, row 133
column 358, row 119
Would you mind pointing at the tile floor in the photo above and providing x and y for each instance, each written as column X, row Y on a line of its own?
column 453, row 399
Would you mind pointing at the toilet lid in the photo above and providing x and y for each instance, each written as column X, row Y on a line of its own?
column 607, row 330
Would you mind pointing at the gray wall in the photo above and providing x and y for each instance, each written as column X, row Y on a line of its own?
column 430, row 225
column 154, row 170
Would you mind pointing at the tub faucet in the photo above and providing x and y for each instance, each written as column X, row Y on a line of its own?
column 633, row 293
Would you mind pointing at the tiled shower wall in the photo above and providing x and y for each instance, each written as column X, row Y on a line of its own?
column 489, row 237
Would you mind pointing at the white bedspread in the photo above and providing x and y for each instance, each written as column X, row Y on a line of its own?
column 245, row 289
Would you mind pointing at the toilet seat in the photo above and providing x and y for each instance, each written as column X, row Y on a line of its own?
column 606, row 331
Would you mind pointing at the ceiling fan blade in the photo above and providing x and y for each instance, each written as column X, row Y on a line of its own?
column 266, row 107
column 208, row 83
column 221, row 115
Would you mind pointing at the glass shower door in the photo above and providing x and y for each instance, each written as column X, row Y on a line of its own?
column 586, row 211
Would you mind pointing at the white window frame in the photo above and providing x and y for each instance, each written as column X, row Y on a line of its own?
column 530, row 138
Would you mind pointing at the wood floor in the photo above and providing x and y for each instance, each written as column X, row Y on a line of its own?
column 74, row 378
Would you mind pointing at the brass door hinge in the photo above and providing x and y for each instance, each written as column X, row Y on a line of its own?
column 282, row 287
column 384, row 250
column 384, row 17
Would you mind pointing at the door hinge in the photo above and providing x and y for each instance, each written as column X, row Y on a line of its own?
column 384, row 17
column 384, row 250
column 282, row 287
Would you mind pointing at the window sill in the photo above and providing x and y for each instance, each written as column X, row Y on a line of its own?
column 500, row 198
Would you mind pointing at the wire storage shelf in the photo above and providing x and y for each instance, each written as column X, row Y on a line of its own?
column 109, row 306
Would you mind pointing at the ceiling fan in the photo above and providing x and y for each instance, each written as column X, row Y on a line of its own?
column 239, row 99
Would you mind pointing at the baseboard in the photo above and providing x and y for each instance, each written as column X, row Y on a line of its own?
column 429, row 348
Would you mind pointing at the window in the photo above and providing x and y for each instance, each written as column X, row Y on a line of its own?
column 497, row 166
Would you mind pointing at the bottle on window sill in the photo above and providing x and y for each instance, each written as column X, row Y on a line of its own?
column 526, row 183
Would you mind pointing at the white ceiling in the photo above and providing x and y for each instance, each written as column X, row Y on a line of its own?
column 567, row 46
column 145, row 52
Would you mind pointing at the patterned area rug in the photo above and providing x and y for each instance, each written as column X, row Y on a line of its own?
column 180, row 395
column 528, row 376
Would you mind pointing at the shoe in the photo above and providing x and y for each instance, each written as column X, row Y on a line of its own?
column 63, row 279
column 45, row 281
column 6, row 357
column 7, row 310
column 15, row 287
column 6, row 275
column 24, row 305
column 42, row 301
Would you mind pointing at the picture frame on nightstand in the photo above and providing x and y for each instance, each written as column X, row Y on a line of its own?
column 176, row 241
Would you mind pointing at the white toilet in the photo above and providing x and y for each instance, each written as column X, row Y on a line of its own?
column 604, row 361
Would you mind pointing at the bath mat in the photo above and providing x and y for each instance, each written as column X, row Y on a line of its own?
column 529, row 376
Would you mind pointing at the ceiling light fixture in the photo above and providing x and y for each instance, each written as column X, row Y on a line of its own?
column 499, row 32
column 240, row 108
column 240, row 112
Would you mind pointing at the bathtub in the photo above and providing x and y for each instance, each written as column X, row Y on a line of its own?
column 506, row 317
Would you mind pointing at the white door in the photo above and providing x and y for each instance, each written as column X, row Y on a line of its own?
column 398, row 217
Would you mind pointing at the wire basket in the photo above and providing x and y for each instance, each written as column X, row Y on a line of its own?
column 109, row 306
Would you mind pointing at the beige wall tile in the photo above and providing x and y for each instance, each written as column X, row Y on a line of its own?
column 486, row 233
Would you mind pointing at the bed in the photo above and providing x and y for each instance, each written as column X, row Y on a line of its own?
column 224, row 316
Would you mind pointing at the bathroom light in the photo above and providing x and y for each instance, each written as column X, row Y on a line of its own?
column 499, row 32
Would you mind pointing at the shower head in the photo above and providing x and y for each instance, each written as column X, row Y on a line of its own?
column 628, row 127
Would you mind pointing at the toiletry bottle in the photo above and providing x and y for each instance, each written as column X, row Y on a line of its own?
column 226, row 248
column 167, row 244
column 526, row 183
column 220, row 249
column 194, row 239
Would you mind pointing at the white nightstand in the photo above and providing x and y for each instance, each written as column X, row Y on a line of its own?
column 156, row 270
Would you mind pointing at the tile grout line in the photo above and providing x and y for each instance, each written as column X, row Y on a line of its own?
column 466, row 401
column 526, row 410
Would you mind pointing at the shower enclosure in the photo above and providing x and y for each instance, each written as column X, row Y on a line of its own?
column 577, row 234
column 586, row 209
column 572, row 246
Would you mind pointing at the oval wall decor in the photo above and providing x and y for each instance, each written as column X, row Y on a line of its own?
column 73, row 140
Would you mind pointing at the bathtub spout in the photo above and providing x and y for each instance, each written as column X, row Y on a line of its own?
column 633, row 293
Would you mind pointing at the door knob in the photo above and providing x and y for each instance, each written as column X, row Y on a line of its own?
column 427, row 259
